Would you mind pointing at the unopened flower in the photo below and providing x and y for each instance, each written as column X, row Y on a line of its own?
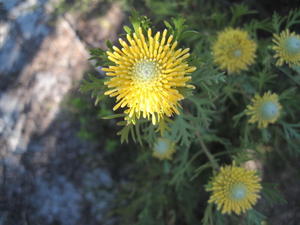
column 163, row 149
column 146, row 76
column 264, row 110
column 287, row 48
column 234, row 50
column 235, row 189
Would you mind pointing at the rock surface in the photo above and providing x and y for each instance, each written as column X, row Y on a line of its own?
column 30, row 106
column 41, row 166
column 22, row 30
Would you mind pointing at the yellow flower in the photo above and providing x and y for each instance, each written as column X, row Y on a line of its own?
column 234, row 189
column 264, row 110
column 163, row 149
column 146, row 76
column 287, row 48
column 234, row 50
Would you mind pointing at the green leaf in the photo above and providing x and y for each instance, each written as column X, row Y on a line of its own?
column 188, row 33
column 109, row 45
column 99, row 57
column 271, row 193
column 113, row 116
column 236, row 118
column 94, row 85
column 124, row 133
column 208, row 218
column 291, row 131
column 127, row 30
column 266, row 135
column 182, row 131
column 264, row 78
column 254, row 25
column 139, row 21
column 293, row 18
column 288, row 94
column 288, row 73
column 239, row 10
column 277, row 22
column 178, row 29
column 254, row 217
column 134, row 130
column 200, row 170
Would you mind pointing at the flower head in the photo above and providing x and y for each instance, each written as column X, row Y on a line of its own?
column 234, row 50
column 287, row 48
column 163, row 149
column 234, row 189
column 147, row 74
column 264, row 110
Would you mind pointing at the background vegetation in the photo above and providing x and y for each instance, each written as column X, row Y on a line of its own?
column 157, row 192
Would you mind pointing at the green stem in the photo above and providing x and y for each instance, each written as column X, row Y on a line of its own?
column 210, row 157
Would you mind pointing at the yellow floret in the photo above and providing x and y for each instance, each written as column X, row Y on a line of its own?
column 235, row 189
column 146, row 76
column 233, row 50
column 264, row 110
column 287, row 48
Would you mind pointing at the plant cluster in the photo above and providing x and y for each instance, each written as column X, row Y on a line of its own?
column 203, row 97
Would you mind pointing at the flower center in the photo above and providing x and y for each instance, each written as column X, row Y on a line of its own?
column 269, row 110
column 162, row 146
column 237, row 53
column 238, row 191
column 145, row 70
column 292, row 45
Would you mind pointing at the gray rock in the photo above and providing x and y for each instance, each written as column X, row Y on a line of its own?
column 31, row 105
column 56, row 201
column 39, row 64
column 97, row 186
column 22, row 32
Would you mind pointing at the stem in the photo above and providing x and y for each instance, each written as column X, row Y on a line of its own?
column 210, row 157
